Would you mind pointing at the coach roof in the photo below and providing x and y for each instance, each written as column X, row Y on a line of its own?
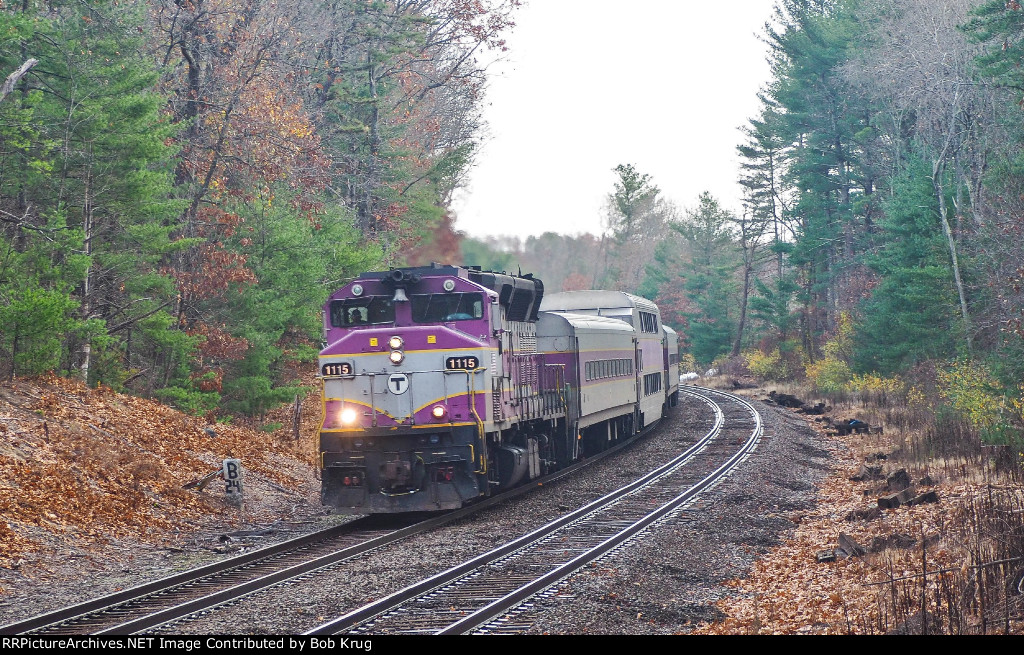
column 568, row 301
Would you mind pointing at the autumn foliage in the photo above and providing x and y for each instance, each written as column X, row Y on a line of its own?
column 94, row 465
column 222, row 166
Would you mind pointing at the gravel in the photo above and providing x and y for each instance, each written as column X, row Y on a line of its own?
column 663, row 582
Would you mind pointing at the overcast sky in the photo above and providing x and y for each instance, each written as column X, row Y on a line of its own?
column 586, row 85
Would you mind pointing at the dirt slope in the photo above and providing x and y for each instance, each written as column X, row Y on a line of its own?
column 80, row 467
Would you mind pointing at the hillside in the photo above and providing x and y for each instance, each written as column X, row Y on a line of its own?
column 81, row 469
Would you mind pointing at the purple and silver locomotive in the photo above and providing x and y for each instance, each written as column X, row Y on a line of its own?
column 444, row 384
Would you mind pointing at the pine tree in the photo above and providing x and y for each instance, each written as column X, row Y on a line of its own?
column 708, row 283
column 911, row 315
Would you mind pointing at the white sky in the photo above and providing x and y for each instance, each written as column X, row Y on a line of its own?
column 586, row 85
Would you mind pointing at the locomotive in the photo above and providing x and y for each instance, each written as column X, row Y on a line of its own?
column 445, row 384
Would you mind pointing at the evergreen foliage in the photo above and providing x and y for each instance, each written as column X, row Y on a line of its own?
column 708, row 278
column 181, row 186
column 911, row 314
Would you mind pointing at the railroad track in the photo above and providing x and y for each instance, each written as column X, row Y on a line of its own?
column 482, row 594
column 165, row 601
column 144, row 606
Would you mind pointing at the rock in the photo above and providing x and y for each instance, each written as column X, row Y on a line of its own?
column 926, row 497
column 785, row 399
column 816, row 410
column 826, row 556
column 868, row 473
column 897, row 480
column 852, row 425
column 848, row 547
column 895, row 500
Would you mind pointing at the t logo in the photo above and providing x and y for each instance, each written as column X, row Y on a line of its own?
column 398, row 383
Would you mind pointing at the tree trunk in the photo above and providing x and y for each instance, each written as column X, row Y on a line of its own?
column 937, row 170
column 748, row 264
column 87, row 229
column 13, row 78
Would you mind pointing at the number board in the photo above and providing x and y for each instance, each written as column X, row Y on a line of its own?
column 466, row 363
column 336, row 369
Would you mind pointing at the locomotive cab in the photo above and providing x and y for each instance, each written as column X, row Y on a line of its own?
column 410, row 398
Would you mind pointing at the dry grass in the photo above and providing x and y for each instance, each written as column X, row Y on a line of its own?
column 961, row 568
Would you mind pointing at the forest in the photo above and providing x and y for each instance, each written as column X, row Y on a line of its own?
column 183, row 183
column 879, row 244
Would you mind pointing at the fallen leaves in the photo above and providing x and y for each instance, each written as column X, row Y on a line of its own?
column 91, row 464
column 789, row 592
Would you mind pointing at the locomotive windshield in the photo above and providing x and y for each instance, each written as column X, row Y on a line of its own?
column 371, row 310
column 444, row 307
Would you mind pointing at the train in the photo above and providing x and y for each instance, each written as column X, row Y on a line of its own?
column 445, row 384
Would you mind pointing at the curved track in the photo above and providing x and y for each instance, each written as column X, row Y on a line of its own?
column 473, row 596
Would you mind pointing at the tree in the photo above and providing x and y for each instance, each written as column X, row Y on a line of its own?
column 823, row 124
column 919, row 69
column 635, row 223
column 708, row 277
column 911, row 315
column 395, row 87
column 84, row 180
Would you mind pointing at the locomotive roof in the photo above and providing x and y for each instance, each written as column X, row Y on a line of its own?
column 520, row 295
column 595, row 299
column 467, row 272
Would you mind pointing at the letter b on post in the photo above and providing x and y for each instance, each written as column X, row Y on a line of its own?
column 232, row 473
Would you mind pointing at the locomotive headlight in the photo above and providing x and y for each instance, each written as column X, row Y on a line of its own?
column 348, row 416
column 396, row 357
column 439, row 412
column 357, row 289
column 395, row 342
column 449, row 285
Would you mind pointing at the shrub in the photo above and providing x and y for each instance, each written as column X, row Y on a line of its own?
column 832, row 372
column 871, row 383
column 767, row 366
column 975, row 394
column 829, row 375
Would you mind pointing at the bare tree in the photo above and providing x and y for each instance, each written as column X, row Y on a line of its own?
column 12, row 79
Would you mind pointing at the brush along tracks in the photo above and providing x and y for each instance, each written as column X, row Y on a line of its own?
column 481, row 594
